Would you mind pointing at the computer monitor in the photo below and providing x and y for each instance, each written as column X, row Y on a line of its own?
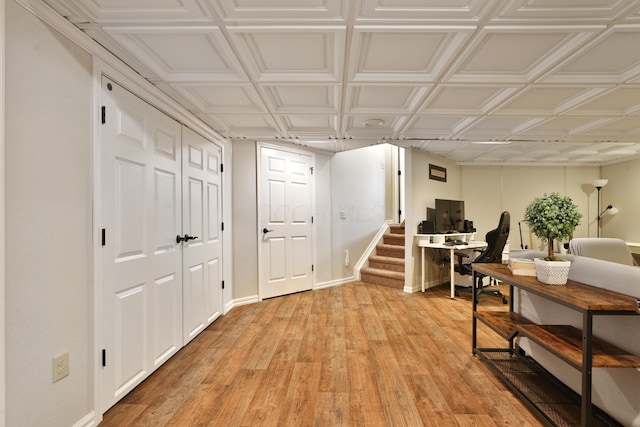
column 449, row 215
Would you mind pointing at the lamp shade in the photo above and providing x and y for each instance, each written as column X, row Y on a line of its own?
column 599, row 183
column 613, row 210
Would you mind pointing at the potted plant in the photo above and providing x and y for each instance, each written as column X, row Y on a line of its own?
column 552, row 217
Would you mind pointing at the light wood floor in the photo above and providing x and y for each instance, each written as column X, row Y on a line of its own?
column 352, row 355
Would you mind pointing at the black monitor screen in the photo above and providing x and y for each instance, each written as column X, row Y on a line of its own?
column 449, row 215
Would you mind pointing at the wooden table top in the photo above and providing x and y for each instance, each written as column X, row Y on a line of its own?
column 574, row 294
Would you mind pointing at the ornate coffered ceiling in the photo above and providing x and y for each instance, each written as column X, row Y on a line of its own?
column 558, row 80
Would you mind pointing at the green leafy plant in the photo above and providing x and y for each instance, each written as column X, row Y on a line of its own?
column 552, row 217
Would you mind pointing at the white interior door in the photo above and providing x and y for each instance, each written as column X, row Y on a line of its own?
column 141, row 264
column 202, row 225
column 285, row 222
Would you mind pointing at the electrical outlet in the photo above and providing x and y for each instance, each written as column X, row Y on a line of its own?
column 60, row 367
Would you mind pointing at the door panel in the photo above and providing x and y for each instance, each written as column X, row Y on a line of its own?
column 285, row 209
column 140, row 167
column 202, row 214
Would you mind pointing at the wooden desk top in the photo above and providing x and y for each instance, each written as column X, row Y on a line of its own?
column 574, row 294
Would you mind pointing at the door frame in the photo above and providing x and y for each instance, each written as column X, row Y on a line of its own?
column 259, row 166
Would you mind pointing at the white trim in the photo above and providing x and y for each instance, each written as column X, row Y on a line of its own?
column 251, row 299
column 3, row 377
column 88, row 420
column 333, row 283
column 372, row 247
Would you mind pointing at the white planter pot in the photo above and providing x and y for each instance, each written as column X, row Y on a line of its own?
column 552, row 272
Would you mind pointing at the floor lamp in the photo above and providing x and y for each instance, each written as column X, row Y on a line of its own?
column 599, row 183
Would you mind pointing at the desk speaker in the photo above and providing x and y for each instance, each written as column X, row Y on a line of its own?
column 428, row 227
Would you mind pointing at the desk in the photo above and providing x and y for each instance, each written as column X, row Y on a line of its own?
column 426, row 241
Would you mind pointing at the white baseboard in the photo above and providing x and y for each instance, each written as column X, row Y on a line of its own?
column 252, row 299
column 88, row 420
column 333, row 283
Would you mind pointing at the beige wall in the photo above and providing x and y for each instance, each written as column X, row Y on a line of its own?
column 48, row 212
column 421, row 193
column 489, row 190
column 623, row 192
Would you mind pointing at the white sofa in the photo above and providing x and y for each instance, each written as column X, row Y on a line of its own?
column 606, row 248
column 616, row 391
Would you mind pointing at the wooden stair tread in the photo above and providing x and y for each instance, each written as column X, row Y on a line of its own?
column 390, row 247
column 566, row 342
column 381, row 272
column 386, row 259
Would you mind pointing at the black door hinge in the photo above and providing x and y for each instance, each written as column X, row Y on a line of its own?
column 104, row 357
column 222, row 226
column 104, row 114
column 312, row 267
column 311, row 169
column 311, row 220
column 399, row 173
column 221, row 167
column 223, row 284
column 104, row 237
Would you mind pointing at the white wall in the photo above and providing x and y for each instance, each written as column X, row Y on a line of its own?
column 48, row 212
column 323, row 221
column 245, row 224
column 245, row 228
column 359, row 191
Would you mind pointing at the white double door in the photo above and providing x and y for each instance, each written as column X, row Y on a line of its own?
column 160, row 272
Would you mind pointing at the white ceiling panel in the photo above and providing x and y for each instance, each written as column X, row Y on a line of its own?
column 181, row 54
column 505, row 54
column 221, row 98
column 423, row 10
column 280, row 10
column 291, row 54
column 403, row 53
column 613, row 57
column 553, row 79
column 619, row 101
column 309, row 98
column 130, row 11
column 467, row 99
column 563, row 10
column 318, row 125
column 548, row 100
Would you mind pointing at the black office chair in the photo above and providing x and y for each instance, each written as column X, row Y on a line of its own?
column 496, row 239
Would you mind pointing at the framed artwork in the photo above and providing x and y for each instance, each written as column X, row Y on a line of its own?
column 437, row 173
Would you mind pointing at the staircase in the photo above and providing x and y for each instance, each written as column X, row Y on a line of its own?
column 386, row 267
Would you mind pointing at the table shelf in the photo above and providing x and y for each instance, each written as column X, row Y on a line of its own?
column 504, row 323
column 566, row 343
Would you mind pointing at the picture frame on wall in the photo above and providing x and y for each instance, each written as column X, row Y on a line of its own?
column 437, row 173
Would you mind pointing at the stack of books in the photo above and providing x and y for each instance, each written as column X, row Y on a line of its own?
column 522, row 267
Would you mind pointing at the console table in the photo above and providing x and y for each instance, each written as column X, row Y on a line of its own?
column 577, row 348
column 437, row 241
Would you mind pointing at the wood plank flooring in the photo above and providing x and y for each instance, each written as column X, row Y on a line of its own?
column 353, row 355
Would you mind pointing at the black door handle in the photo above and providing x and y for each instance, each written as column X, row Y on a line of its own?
column 186, row 238
column 266, row 230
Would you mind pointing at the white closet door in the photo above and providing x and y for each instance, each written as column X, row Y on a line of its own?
column 141, row 263
column 202, row 225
